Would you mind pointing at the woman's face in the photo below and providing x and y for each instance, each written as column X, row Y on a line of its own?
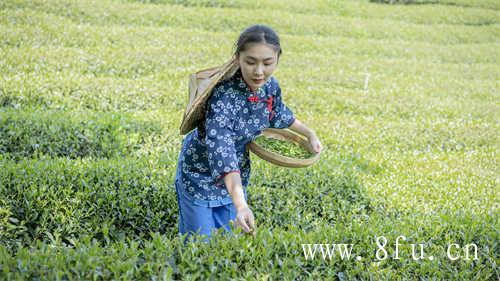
column 257, row 63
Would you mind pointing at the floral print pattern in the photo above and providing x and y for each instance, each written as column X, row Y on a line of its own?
column 234, row 117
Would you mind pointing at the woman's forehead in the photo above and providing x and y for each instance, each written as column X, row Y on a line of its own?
column 259, row 51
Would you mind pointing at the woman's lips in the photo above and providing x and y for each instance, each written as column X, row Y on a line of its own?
column 257, row 81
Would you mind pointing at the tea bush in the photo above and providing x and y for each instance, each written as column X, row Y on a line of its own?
column 61, row 134
column 106, row 199
column 403, row 98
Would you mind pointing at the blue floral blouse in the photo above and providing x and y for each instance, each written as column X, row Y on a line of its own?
column 235, row 116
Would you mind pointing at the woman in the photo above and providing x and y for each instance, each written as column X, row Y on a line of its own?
column 214, row 165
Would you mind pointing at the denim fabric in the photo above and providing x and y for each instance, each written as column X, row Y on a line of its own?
column 203, row 220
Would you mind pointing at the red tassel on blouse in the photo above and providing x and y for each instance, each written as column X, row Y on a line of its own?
column 269, row 104
column 270, row 107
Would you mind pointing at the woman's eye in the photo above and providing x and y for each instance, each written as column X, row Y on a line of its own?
column 253, row 63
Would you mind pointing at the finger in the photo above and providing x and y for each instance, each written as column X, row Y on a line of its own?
column 316, row 148
column 251, row 223
column 243, row 225
column 313, row 146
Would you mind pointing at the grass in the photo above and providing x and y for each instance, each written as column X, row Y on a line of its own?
column 404, row 99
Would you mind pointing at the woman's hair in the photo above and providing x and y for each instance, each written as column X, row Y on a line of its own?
column 258, row 34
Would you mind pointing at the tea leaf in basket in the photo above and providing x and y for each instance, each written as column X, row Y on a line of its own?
column 284, row 148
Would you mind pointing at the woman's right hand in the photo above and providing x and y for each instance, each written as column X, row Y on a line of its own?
column 244, row 216
column 245, row 220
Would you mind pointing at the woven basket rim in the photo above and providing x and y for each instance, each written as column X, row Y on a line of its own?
column 282, row 160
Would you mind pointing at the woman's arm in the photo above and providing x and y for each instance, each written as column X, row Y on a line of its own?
column 244, row 216
column 235, row 189
column 302, row 129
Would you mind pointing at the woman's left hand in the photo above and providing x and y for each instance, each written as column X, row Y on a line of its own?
column 315, row 143
column 299, row 127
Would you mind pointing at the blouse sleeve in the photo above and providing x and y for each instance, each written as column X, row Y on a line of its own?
column 219, row 137
column 282, row 117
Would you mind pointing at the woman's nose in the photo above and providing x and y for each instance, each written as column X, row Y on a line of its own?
column 259, row 69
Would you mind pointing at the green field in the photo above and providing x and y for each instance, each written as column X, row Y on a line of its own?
column 404, row 98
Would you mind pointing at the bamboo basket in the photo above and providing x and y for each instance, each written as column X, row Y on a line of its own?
column 280, row 160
